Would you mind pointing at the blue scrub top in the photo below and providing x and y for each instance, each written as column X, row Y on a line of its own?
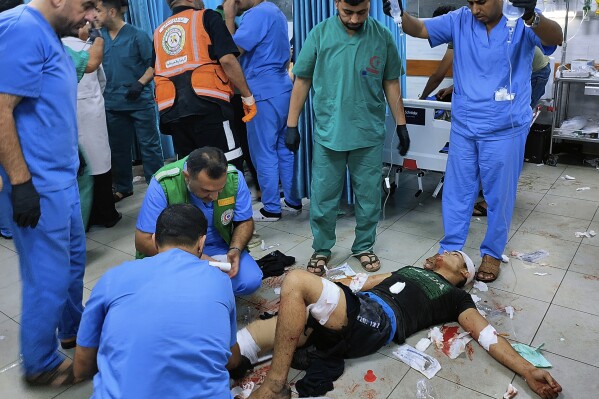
column 263, row 35
column 155, row 202
column 35, row 66
column 481, row 66
column 126, row 59
column 163, row 326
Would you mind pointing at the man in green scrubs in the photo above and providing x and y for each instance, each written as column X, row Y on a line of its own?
column 352, row 63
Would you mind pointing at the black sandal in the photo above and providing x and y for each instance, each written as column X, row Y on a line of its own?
column 479, row 210
column 313, row 263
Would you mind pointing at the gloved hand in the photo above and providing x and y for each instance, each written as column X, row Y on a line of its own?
column 292, row 138
column 94, row 34
column 134, row 91
column 249, row 108
column 404, row 139
column 528, row 5
column 386, row 7
column 26, row 210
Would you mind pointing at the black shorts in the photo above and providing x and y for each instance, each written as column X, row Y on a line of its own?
column 368, row 329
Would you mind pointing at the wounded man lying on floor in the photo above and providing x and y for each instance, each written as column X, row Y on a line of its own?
column 332, row 323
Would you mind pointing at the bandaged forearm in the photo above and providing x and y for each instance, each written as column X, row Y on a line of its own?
column 487, row 337
column 247, row 345
column 357, row 282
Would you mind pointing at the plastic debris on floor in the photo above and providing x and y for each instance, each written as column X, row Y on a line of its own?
column 479, row 285
column 449, row 341
column 531, row 257
column 587, row 234
column 419, row 361
column 339, row 272
column 568, row 177
column 511, row 392
column 583, row 188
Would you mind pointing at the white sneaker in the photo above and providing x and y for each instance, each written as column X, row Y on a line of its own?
column 260, row 217
column 289, row 209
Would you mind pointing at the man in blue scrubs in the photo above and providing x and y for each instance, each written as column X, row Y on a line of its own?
column 39, row 162
column 263, row 42
column 164, row 326
column 204, row 177
column 491, row 114
column 130, row 107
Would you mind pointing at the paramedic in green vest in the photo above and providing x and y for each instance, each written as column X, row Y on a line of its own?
column 219, row 190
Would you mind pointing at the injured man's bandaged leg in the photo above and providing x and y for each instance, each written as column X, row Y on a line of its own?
column 258, row 337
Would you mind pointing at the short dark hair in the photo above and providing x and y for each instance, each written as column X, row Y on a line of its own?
column 180, row 225
column 116, row 4
column 210, row 159
column 353, row 2
column 442, row 10
column 8, row 4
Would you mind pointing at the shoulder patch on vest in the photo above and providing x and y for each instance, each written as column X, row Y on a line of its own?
column 226, row 201
column 231, row 168
column 167, row 173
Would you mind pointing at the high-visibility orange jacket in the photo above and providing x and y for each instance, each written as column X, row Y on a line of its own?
column 181, row 44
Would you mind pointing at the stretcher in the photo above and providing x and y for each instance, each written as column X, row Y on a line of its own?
column 429, row 142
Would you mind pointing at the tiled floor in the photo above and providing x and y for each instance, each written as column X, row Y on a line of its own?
column 558, row 309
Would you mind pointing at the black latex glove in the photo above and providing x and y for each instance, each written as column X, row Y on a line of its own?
column 404, row 139
column 25, row 204
column 386, row 7
column 292, row 138
column 94, row 34
column 528, row 5
column 135, row 90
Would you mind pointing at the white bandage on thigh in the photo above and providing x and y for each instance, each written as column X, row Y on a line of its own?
column 247, row 345
column 326, row 304
column 487, row 337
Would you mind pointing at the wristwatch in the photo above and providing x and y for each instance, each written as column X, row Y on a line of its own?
column 536, row 18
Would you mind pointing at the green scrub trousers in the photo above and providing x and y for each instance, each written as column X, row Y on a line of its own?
column 328, row 177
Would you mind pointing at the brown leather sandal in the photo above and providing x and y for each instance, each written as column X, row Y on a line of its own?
column 372, row 259
column 318, row 263
column 489, row 266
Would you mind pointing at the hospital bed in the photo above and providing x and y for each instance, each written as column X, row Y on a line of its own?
column 429, row 142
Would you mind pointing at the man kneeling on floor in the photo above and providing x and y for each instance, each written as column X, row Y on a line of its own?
column 220, row 192
column 341, row 321
column 163, row 326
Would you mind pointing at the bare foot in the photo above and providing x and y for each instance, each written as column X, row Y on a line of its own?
column 271, row 390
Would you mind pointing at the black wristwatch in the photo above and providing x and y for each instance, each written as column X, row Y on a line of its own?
column 536, row 18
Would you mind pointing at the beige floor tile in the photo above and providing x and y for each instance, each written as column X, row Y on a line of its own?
column 580, row 292
column 554, row 226
column 566, row 206
column 124, row 228
column 527, row 199
column 402, row 247
column 101, row 259
column 569, row 333
column 420, row 224
column 10, row 298
column 9, row 342
column 518, row 277
column 585, row 260
column 443, row 388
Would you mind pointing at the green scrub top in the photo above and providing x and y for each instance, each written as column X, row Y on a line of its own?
column 80, row 59
column 126, row 59
column 347, row 75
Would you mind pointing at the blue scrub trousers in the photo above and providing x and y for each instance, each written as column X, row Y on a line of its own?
column 121, row 127
column 273, row 161
column 52, row 264
column 495, row 163
column 249, row 277
column 328, row 177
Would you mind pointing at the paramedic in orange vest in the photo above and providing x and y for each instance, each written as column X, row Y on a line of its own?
column 196, row 69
